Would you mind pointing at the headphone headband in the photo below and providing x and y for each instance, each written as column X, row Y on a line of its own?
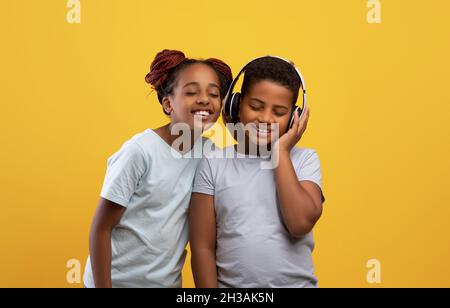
column 235, row 80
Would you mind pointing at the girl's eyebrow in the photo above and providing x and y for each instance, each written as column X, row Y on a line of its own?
column 194, row 83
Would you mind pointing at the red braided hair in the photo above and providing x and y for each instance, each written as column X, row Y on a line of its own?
column 161, row 65
column 222, row 68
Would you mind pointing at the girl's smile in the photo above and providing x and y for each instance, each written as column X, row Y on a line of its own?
column 204, row 114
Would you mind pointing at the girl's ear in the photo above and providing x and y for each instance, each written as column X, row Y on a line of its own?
column 167, row 105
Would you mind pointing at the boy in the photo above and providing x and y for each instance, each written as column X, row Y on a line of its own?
column 252, row 227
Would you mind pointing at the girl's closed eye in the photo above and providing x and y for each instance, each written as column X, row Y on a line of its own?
column 214, row 95
column 191, row 92
column 213, row 91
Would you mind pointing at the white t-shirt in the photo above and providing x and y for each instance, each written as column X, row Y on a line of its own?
column 254, row 248
column 148, row 245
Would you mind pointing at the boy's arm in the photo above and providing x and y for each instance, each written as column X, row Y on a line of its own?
column 106, row 218
column 300, row 202
column 202, row 225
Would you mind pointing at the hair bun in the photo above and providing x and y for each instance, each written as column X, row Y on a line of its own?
column 222, row 68
column 164, row 61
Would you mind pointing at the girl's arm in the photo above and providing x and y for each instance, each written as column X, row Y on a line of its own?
column 300, row 202
column 202, row 228
column 106, row 218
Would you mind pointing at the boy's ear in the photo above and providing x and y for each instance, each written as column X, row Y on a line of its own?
column 239, row 110
column 167, row 105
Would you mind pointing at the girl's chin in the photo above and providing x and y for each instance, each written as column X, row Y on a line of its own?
column 202, row 126
column 204, row 123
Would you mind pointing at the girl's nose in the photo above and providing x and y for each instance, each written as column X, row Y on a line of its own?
column 203, row 99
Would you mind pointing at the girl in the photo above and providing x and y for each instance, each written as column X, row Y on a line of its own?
column 139, row 233
column 249, row 226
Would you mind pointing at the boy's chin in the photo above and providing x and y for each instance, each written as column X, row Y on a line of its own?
column 260, row 142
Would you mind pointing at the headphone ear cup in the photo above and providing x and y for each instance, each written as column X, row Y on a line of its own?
column 229, row 106
column 235, row 103
column 226, row 106
column 299, row 112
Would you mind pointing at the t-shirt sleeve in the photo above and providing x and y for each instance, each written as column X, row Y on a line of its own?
column 308, row 169
column 123, row 174
column 203, row 181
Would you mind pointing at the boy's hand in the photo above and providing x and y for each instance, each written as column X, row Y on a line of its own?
column 287, row 141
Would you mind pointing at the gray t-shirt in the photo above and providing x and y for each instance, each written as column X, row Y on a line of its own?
column 254, row 248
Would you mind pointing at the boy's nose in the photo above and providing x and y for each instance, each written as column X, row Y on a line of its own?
column 266, row 117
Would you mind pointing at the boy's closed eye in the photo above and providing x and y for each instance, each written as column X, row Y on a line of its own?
column 278, row 110
column 256, row 108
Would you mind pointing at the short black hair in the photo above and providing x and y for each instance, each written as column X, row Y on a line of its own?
column 273, row 69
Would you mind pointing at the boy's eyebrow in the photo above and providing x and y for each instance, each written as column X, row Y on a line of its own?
column 262, row 102
column 197, row 84
column 257, row 100
column 281, row 106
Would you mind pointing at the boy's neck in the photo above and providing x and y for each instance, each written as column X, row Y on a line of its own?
column 245, row 147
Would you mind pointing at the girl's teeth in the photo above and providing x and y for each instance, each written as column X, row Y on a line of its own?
column 202, row 113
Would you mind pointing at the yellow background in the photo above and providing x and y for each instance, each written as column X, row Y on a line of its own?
column 380, row 121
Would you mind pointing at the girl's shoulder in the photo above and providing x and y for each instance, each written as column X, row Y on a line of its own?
column 148, row 140
column 143, row 144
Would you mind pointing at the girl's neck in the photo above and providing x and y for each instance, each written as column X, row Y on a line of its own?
column 165, row 132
